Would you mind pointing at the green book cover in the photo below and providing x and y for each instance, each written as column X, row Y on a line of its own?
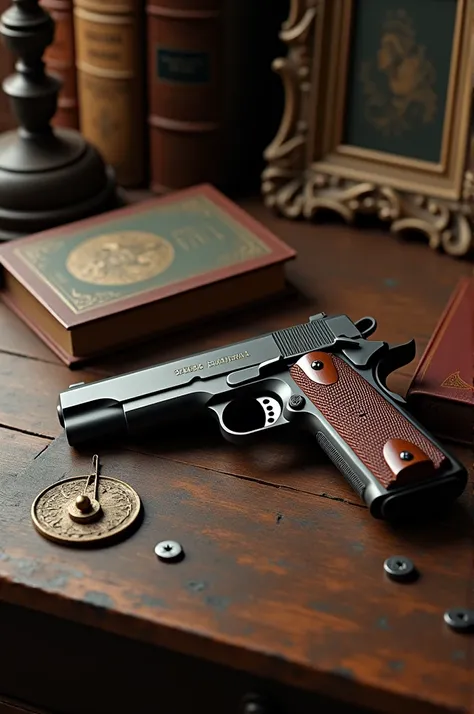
column 193, row 237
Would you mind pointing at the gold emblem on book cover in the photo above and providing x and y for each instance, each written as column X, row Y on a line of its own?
column 455, row 381
column 120, row 258
column 81, row 511
column 408, row 79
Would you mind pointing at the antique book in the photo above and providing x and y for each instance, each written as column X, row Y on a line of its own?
column 441, row 393
column 110, row 76
column 204, row 82
column 60, row 60
column 118, row 278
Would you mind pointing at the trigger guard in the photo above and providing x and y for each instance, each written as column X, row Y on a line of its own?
column 233, row 437
column 228, row 435
column 396, row 356
column 244, row 420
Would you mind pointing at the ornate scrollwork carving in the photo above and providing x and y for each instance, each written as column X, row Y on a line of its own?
column 282, row 180
column 294, row 188
column 445, row 226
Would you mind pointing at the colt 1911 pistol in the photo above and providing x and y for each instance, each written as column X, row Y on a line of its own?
column 323, row 376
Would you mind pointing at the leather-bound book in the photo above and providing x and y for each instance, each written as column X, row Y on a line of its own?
column 202, row 81
column 110, row 76
column 441, row 394
column 7, row 66
column 60, row 60
column 157, row 266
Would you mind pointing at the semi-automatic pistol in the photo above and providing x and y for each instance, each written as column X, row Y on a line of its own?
column 323, row 376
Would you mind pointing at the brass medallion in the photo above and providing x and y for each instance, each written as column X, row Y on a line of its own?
column 121, row 258
column 81, row 511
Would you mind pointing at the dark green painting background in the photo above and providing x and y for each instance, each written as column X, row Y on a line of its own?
column 434, row 22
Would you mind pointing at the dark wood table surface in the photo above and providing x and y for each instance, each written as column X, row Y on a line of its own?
column 328, row 626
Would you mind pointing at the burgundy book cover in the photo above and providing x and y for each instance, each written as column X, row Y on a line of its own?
column 441, row 394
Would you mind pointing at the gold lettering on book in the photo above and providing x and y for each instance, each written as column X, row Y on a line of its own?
column 189, row 238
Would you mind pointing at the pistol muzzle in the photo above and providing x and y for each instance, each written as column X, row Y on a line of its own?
column 59, row 410
column 93, row 421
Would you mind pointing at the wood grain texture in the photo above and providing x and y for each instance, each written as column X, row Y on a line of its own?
column 283, row 576
column 134, row 675
column 29, row 393
column 17, row 338
column 11, row 707
column 18, row 450
column 275, row 583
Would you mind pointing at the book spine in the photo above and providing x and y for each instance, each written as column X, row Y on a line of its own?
column 183, row 71
column 7, row 66
column 110, row 76
column 60, row 60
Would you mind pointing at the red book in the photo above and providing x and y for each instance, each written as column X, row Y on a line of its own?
column 441, row 394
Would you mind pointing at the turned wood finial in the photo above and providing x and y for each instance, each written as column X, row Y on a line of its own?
column 27, row 30
column 48, row 176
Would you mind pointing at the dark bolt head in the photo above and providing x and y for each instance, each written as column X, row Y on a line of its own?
column 296, row 401
column 400, row 568
column 460, row 619
column 406, row 456
column 169, row 550
column 317, row 364
column 254, row 704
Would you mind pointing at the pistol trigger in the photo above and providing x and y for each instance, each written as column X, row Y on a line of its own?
column 396, row 356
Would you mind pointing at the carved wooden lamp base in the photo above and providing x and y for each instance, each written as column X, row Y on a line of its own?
column 47, row 177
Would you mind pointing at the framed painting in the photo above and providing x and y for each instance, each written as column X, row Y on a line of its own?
column 377, row 116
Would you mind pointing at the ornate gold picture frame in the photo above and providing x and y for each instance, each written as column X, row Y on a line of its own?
column 377, row 117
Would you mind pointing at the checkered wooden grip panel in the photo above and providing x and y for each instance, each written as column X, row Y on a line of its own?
column 363, row 418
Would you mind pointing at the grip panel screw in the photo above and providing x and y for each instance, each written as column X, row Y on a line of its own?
column 296, row 401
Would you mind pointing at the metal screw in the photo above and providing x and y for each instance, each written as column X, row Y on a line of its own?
column 406, row 455
column 169, row 550
column 317, row 365
column 460, row 619
column 296, row 401
column 253, row 708
column 400, row 568
column 254, row 704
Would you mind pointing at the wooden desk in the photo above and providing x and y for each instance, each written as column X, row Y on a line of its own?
column 314, row 623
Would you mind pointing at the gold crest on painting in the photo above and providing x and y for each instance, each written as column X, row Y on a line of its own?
column 399, row 83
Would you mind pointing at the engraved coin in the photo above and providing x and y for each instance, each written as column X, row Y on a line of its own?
column 121, row 258
column 120, row 508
